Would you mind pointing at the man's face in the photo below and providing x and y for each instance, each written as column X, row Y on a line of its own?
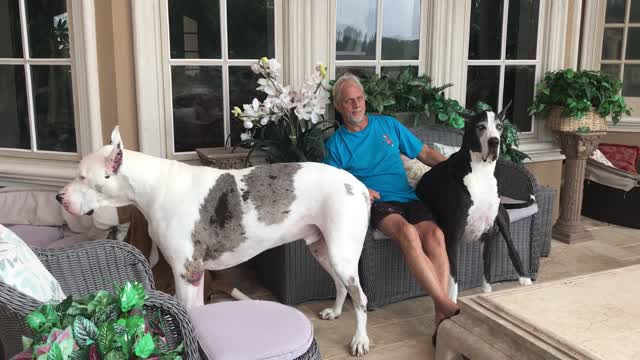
column 352, row 105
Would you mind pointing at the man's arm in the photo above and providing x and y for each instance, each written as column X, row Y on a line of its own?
column 429, row 156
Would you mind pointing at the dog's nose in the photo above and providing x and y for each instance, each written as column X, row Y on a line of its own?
column 59, row 198
column 494, row 142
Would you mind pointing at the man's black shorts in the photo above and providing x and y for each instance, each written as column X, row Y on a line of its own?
column 414, row 211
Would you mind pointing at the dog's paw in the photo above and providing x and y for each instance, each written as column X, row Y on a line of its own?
column 329, row 314
column 359, row 345
column 486, row 287
column 524, row 281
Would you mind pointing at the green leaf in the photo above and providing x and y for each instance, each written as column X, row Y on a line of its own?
column 36, row 320
column 116, row 355
column 106, row 338
column 26, row 343
column 84, row 331
column 131, row 296
column 54, row 352
column 80, row 354
column 145, row 346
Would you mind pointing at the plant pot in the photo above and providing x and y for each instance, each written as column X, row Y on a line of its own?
column 558, row 122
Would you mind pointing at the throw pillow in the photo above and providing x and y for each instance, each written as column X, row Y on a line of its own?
column 599, row 157
column 414, row 169
column 446, row 150
column 624, row 157
column 21, row 269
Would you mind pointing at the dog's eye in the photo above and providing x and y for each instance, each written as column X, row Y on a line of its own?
column 82, row 178
column 482, row 127
column 107, row 176
column 499, row 127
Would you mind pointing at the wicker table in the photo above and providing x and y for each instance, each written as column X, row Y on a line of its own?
column 223, row 158
column 587, row 317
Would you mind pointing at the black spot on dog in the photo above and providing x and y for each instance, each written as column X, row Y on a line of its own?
column 245, row 195
column 349, row 189
column 272, row 190
column 219, row 228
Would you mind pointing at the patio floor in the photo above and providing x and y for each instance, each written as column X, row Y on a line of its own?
column 403, row 330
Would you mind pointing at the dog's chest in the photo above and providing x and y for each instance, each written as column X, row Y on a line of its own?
column 483, row 190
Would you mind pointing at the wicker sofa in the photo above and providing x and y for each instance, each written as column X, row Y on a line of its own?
column 294, row 276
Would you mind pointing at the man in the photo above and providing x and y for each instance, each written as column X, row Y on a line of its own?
column 369, row 147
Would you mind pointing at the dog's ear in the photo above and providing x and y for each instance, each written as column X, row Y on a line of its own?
column 503, row 113
column 114, row 160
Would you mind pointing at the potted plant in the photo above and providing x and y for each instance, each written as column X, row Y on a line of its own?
column 579, row 100
column 288, row 125
column 99, row 326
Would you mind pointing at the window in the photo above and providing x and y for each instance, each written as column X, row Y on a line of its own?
column 621, row 47
column 36, row 91
column 503, row 61
column 211, row 46
column 360, row 49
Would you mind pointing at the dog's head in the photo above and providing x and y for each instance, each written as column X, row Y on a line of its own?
column 482, row 134
column 98, row 181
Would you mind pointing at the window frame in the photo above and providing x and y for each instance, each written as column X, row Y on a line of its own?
column 593, row 26
column 47, row 168
column 503, row 62
column 155, row 108
column 377, row 63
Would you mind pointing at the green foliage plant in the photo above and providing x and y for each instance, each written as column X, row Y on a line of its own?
column 578, row 92
column 99, row 326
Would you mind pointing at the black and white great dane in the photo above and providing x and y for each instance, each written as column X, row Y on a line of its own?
column 462, row 191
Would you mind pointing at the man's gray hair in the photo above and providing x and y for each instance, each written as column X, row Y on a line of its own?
column 337, row 86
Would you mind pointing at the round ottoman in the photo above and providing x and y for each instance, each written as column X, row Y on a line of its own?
column 253, row 329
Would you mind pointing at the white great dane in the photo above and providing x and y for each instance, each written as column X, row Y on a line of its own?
column 203, row 218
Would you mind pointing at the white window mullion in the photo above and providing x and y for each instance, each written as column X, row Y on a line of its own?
column 225, row 69
column 503, row 54
column 27, row 75
column 378, row 37
column 625, row 32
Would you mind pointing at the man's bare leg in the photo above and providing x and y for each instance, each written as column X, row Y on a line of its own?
column 397, row 228
column 434, row 246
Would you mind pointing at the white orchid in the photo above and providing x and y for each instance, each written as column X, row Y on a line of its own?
column 283, row 106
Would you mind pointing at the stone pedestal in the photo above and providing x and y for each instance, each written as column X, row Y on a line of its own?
column 577, row 147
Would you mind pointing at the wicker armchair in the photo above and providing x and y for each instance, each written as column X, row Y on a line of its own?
column 87, row 268
column 293, row 275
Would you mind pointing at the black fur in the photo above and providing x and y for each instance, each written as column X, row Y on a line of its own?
column 442, row 188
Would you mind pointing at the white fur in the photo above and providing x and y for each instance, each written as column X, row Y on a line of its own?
column 483, row 189
column 453, row 289
column 170, row 193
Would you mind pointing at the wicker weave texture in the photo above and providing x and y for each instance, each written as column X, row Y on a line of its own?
column 558, row 122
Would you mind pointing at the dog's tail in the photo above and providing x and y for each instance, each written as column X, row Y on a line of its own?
column 504, row 225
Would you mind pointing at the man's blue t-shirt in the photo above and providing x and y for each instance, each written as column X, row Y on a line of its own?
column 373, row 156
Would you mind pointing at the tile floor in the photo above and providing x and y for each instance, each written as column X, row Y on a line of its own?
column 403, row 330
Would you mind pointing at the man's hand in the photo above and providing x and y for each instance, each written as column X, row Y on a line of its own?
column 373, row 195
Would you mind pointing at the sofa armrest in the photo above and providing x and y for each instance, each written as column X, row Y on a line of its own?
column 515, row 181
column 96, row 265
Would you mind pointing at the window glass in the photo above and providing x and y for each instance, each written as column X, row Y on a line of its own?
column 194, row 29
column 400, row 29
column 356, row 29
column 11, row 43
column 13, row 108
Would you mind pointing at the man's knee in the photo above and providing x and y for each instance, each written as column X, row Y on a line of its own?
column 410, row 238
column 434, row 236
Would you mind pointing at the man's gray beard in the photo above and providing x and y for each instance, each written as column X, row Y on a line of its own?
column 355, row 121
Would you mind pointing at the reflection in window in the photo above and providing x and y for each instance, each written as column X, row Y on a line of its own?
column 356, row 35
column 203, row 92
column 621, row 45
column 503, row 60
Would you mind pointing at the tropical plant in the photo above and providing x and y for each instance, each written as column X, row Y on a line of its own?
column 99, row 326
column 410, row 93
column 578, row 92
column 288, row 125
column 509, row 140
